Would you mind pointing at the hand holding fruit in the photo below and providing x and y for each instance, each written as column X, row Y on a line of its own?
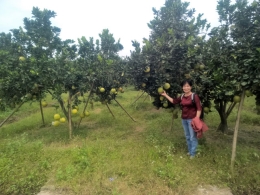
column 164, row 94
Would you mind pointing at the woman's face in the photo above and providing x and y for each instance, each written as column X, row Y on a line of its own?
column 186, row 88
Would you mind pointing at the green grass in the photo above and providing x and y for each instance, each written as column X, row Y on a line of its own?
column 118, row 156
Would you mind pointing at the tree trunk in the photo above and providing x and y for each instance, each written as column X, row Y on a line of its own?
column 43, row 123
column 61, row 105
column 224, row 113
column 223, row 126
column 63, row 108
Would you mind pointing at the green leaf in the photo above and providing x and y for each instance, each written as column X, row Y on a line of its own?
column 229, row 93
column 244, row 83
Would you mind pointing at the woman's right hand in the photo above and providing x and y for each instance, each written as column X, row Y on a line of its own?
column 164, row 93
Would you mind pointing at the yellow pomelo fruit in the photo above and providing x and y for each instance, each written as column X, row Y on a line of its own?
column 248, row 93
column 44, row 104
column 236, row 99
column 55, row 123
column 165, row 104
column 62, row 120
column 22, row 59
column 82, row 115
column 147, row 69
column 206, row 110
column 102, row 89
column 201, row 66
column 29, row 96
column 197, row 66
column 56, row 117
column 113, row 90
column 161, row 98
column 166, row 86
column 143, row 84
column 74, row 111
column 160, row 90
column 87, row 113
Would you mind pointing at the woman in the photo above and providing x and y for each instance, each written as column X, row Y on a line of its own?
column 190, row 110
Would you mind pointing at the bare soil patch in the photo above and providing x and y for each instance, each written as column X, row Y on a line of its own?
column 212, row 190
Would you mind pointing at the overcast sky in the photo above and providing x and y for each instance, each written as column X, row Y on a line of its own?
column 126, row 19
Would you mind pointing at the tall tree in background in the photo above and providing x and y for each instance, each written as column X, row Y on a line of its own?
column 171, row 52
column 232, row 57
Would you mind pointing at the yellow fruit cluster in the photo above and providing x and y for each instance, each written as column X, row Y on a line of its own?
column 58, row 119
column 166, row 86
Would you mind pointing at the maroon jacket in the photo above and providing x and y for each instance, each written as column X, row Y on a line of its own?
column 189, row 110
column 199, row 126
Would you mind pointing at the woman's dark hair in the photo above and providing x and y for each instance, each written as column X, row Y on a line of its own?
column 187, row 81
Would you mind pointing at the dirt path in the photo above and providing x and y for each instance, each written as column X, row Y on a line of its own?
column 213, row 190
column 202, row 190
column 50, row 190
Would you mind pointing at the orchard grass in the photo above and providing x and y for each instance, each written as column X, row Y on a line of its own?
column 119, row 156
